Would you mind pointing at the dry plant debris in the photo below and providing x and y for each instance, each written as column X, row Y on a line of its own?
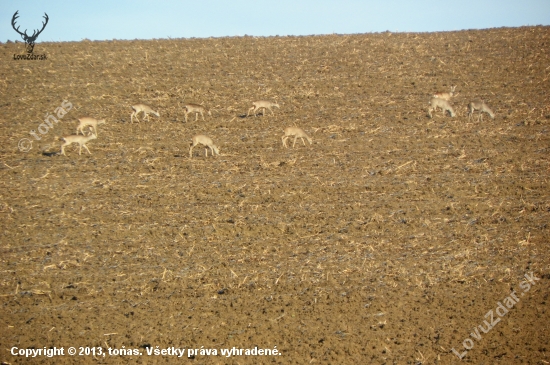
column 385, row 241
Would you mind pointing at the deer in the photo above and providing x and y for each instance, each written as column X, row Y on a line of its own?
column 440, row 103
column 29, row 40
column 195, row 108
column 89, row 122
column 138, row 108
column 81, row 140
column 297, row 133
column 446, row 96
column 480, row 105
column 206, row 141
column 257, row 105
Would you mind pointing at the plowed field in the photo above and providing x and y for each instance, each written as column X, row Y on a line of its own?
column 391, row 239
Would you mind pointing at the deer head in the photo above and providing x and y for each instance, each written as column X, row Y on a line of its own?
column 29, row 39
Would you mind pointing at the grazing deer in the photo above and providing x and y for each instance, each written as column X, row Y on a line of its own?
column 446, row 96
column 89, row 122
column 482, row 107
column 195, row 108
column 440, row 103
column 138, row 108
column 257, row 105
column 81, row 140
column 206, row 141
column 297, row 133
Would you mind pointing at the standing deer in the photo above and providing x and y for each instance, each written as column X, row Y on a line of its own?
column 480, row 105
column 138, row 108
column 195, row 108
column 89, row 122
column 207, row 142
column 81, row 140
column 257, row 105
column 29, row 40
column 296, row 133
column 440, row 103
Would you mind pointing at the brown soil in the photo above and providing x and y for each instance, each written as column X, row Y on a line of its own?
column 385, row 242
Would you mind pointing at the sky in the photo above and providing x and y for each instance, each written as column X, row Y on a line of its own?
column 142, row 19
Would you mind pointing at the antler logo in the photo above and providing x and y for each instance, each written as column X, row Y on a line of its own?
column 29, row 39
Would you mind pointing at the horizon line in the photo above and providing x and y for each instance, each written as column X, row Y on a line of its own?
column 282, row 36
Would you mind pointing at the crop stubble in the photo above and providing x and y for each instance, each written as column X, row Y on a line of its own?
column 386, row 241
